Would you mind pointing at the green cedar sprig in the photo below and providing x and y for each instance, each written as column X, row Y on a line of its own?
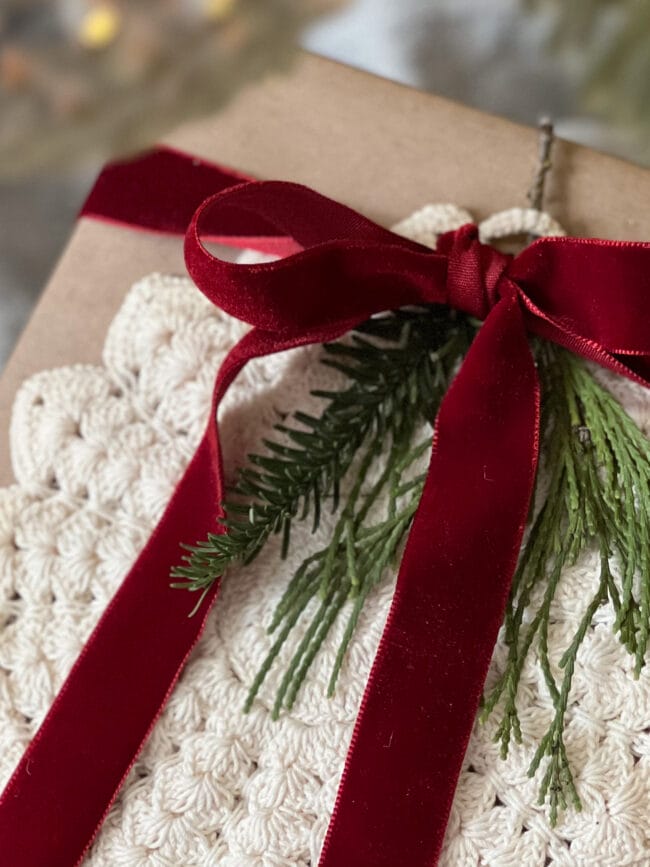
column 598, row 464
column 348, row 568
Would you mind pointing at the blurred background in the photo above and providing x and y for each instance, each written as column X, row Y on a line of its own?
column 82, row 80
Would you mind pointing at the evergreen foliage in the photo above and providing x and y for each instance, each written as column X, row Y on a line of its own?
column 598, row 463
column 596, row 466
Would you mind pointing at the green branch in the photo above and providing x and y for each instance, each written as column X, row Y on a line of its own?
column 398, row 367
column 598, row 496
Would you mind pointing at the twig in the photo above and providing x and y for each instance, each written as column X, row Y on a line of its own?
column 545, row 146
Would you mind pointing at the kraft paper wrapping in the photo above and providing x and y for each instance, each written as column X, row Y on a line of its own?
column 382, row 148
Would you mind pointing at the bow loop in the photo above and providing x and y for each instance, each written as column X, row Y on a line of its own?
column 341, row 268
column 475, row 271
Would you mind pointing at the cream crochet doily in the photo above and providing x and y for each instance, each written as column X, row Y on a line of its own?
column 97, row 452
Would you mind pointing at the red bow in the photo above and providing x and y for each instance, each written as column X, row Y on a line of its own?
column 420, row 703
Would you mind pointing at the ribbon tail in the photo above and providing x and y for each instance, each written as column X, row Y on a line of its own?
column 76, row 764
column 65, row 783
column 421, row 700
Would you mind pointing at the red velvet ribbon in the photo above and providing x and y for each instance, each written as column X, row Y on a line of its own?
column 422, row 695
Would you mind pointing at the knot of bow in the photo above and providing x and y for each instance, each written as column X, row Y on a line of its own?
column 476, row 273
column 337, row 269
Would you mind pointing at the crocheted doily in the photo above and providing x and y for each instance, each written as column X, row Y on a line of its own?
column 97, row 452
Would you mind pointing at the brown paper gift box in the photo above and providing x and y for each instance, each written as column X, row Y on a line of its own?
column 380, row 147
